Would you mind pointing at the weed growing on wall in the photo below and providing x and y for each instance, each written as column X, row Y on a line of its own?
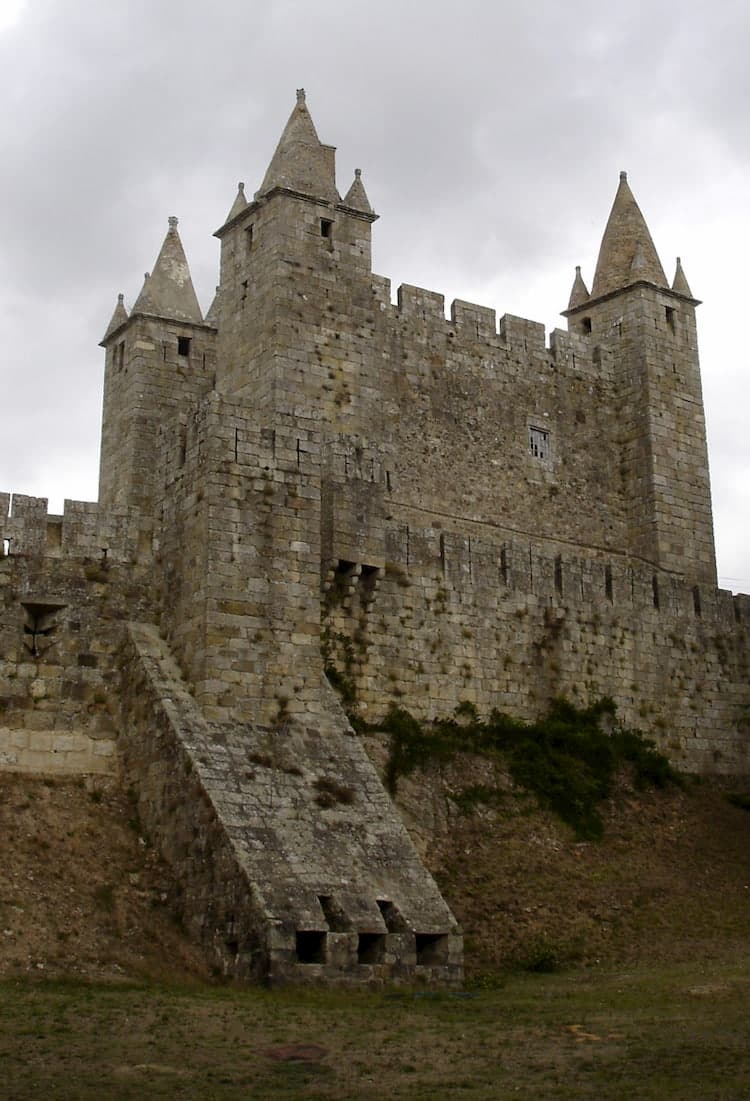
column 568, row 758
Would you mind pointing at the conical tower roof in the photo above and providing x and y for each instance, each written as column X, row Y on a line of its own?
column 356, row 196
column 239, row 203
column 680, row 283
column 212, row 316
column 627, row 252
column 168, row 292
column 301, row 162
column 119, row 317
column 579, row 294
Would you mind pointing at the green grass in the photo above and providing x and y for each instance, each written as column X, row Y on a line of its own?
column 680, row 1032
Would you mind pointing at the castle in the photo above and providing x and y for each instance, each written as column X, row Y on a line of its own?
column 312, row 479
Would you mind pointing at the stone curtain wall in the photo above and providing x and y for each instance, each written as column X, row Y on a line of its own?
column 509, row 624
column 66, row 588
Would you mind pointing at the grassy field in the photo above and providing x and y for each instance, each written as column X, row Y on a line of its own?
column 680, row 1031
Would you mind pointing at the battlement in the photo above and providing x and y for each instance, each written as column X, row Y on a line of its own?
column 83, row 531
column 512, row 339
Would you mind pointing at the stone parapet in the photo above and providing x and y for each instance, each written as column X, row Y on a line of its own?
column 85, row 530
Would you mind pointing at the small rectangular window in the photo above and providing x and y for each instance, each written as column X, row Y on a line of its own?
column 539, row 442
column 326, row 228
column 670, row 316
column 311, row 946
column 183, row 345
column 248, row 238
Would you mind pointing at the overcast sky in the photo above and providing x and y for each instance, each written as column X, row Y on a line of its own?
column 490, row 135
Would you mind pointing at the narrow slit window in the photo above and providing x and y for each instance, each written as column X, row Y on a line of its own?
column 586, row 325
column 248, row 239
column 669, row 313
column 539, row 442
column 326, row 228
column 504, row 568
column 183, row 345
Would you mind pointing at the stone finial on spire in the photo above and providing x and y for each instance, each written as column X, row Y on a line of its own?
column 301, row 161
column 627, row 253
column 168, row 292
column 239, row 203
column 579, row 294
column 119, row 318
column 680, row 284
column 356, row 196
column 173, row 222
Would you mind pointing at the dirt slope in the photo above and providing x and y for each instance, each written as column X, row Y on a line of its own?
column 669, row 881
column 83, row 893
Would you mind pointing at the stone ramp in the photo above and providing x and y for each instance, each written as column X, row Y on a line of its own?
column 296, row 866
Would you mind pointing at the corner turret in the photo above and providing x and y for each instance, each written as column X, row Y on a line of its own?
column 579, row 294
column 356, row 196
column 680, row 284
column 158, row 361
column 647, row 330
column 119, row 318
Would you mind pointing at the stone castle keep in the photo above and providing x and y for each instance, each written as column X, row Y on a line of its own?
column 313, row 479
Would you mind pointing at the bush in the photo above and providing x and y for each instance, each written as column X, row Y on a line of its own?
column 568, row 758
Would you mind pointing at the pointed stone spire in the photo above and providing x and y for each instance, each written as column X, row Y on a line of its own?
column 579, row 294
column 356, row 196
column 212, row 317
column 119, row 317
column 627, row 253
column 168, row 292
column 680, row 283
column 301, row 162
column 239, row 203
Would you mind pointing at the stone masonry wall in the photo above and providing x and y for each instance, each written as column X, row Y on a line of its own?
column 67, row 585
column 480, row 615
column 241, row 563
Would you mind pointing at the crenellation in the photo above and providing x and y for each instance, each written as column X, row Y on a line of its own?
column 478, row 322
column 419, row 305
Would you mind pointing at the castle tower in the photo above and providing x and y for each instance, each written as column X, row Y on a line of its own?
column 158, row 361
column 649, row 330
column 293, row 261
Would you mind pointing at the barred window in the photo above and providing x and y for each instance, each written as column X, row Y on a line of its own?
column 539, row 442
